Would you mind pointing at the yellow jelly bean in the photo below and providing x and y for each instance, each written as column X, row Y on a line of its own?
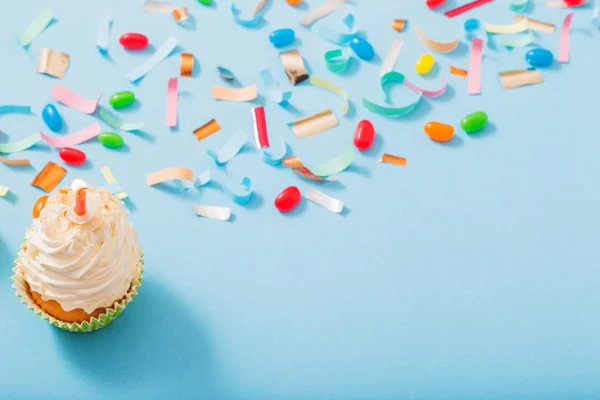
column 424, row 64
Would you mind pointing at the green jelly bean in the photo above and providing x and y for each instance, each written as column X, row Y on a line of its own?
column 474, row 122
column 111, row 140
column 122, row 99
column 204, row 2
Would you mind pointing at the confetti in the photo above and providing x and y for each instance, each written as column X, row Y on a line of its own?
column 521, row 77
column 436, row 46
column 248, row 23
column 536, row 25
column 9, row 108
column 13, row 162
column 294, row 66
column 74, row 138
column 296, row 165
column 336, row 37
column 241, row 193
column 212, row 212
column 207, row 129
column 330, row 203
column 3, row 191
column 398, row 24
column 516, row 27
column 327, row 8
column 234, row 94
column 462, row 9
column 37, row 26
column 518, row 5
column 314, row 124
column 474, row 78
column 158, row 7
column 180, row 14
column 49, row 177
column 563, row 53
column 102, row 36
column 261, row 136
column 172, row 102
column 186, row 64
column 275, row 158
column 112, row 182
column 53, row 62
column 388, row 158
column 226, row 74
column 336, row 60
column 392, row 112
column 230, row 149
column 521, row 41
column 397, row 76
column 277, row 95
column 170, row 174
column 336, row 165
column 117, row 123
column 155, row 59
column 458, row 71
column 332, row 87
column 391, row 57
column 73, row 100
column 21, row 145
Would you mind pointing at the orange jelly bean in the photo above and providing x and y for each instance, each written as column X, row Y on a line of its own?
column 438, row 131
column 39, row 206
column 294, row 2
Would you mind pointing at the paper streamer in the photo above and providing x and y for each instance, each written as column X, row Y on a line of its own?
column 462, row 9
column 226, row 74
column 314, row 124
column 336, row 37
column 565, row 33
column 241, row 193
column 388, row 158
column 518, row 78
column 458, row 71
column 293, row 64
column 516, row 27
column 102, row 36
column 337, row 61
column 517, row 5
column 474, row 78
column 296, row 165
column 158, row 7
column 315, row 81
column 117, row 123
column 172, row 102
column 330, row 203
column 417, row 89
column 53, row 63
column 336, row 165
column 170, row 174
column 115, row 189
column 261, row 136
column 74, row 138
column 234, row 94
column 275, row 157
column 230, row 149
column 536, row 25
column 13, row 161
column 327, row 8
column 37, row 26
column 277, row 95
column 73, row 100
column 434, row 45
column 521, row 41
column 49, row 177
column 9, row 108
column 8, row 148
column 186, row 64
column 3, row 191
column 212, row 212
column 392, row 112
column 155, row 59
column 391, row 57
column 248, row 23
column 207, row 129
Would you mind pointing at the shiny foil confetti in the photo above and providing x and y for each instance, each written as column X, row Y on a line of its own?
column 398, row 25
column 458, row 71
column 53, row 62
column 180, row 14
column 49, row 177
column 207, row 129
column 435, row 45
column 294, row 66
column 186, row 64
column 314, row 124
column 388, row 158
column 296, row 165
column 521, row 77
column 535, row 25
column 330, row 203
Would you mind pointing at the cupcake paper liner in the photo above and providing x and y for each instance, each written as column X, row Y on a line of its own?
column 95, row 323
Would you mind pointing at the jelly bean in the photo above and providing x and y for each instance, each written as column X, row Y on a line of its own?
column 362, row 48
column 122, row 99
column 364, row 135
column 287, row 199
column 424, row 64
column 474, row 122
column 72, row 156
column 39, row 206
column 204, row 2
column 51, row 117
column 133, row 41
column 438, row 131
column 434, row 3
column 282, row 37
column 110, row 139
column 539, row 57
column 294, row 2
column 574, row 3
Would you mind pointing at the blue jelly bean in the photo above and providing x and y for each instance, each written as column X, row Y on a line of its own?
column 539, row 57
column 362, row 48
column 51, row 117
column 282, row 37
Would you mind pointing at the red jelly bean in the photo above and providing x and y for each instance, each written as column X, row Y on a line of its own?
column 72, row 156
column 434, row 3
column 287, row 199
column 133, row 41
column 364, row 135
column 574, row 3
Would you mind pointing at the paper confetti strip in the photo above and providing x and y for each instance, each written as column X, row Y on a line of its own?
column 537, row 25
column 37, row 26
column 516, row 27
column 277, row 95
column 234, row 94
column 563, row 53
column 212, row 212
column 153, row 61
column 13, row 161
column 53, row 62
column 9, row 108
column 458, row 71
column 49, row 177
column 21, row 145
column 159, row 7
column 186, row 64
column 261, row 136
column 112, row 182
column 230, row 149
column 330, row 203
column 117, row 123
column 467, row 7
column 336, row 165
column 170, row 174
column 336, row 37
column 3, row 191
column 518, row 78
column 388, row 158
column 74, row 138
column 331, row 87
column 327, row 8
column 434, row 45
column 242, row 192
column 296, row 165
column 73, row 100
column 314, row 124
column 207, row 129
column 391, row 57
column 172, row 95
column 474, row 78
column 102, row 36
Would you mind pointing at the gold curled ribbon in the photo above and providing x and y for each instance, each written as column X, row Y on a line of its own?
column 207, row 129
column 180, row 14
column 294, row 66
column 296, row 165
column 391, row 159
column 53, row 62
column 186, row 64
column 398, row 25
column 520, row 77
column 49, row 177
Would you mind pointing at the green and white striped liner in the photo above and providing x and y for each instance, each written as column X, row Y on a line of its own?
column 96, row 323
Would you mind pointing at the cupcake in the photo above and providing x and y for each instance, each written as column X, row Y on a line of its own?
column 80, row 263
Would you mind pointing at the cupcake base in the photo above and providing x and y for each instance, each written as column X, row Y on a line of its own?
column 98, row 319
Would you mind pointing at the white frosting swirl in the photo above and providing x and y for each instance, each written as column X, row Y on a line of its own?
column 81, row 265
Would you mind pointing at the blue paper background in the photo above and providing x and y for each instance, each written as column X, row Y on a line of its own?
column 470, row 273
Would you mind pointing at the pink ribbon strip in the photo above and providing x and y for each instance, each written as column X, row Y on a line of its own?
column 474, row 77
column 426, row 93
column 74, row 138
column 172, row 102
column 260, row 127
column 73, row 100
column 563, row 53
